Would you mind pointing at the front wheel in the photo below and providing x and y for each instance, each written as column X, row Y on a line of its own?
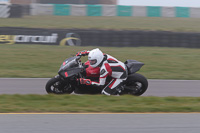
column 56, row 86
column 136, row 84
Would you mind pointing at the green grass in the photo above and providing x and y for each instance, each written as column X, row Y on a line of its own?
column 96, row 103
column 116, row 23
column 41, row 61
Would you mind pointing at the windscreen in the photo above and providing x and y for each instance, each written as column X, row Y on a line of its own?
column 69, row 63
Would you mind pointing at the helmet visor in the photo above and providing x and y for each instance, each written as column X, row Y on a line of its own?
column 92, row 62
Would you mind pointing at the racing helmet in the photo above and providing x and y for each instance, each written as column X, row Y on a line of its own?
column 95, row 57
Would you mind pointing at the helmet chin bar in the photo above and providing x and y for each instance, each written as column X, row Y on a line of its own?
column 92, row 62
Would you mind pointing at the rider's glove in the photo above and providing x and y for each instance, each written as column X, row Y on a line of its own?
column 85, row 81
column 82, row 53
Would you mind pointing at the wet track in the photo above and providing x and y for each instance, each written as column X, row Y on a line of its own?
column 156, row 87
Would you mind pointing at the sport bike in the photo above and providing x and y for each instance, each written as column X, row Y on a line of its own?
column 72, row 69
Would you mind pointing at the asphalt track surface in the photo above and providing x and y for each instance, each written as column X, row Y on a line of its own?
column 100, row 123
column 159, row 88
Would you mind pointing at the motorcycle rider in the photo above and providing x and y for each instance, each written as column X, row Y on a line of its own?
column 109, row 66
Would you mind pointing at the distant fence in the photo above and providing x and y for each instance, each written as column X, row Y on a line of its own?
column 94, row 37
column 4, row 11
column 113, row 10
column 97, row 10
column 13, row 11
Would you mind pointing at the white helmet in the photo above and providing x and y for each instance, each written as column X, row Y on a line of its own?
column 95, row 57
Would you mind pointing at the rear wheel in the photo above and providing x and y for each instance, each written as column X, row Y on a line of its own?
column 136, row 84
column 56, row 86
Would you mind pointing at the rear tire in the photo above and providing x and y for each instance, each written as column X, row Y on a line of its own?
column 56, row 86
column 138, row 83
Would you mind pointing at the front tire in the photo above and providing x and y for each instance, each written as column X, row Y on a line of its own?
column 137, row 84
column 56, row 86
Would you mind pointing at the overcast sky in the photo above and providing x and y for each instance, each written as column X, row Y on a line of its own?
column 182, row 3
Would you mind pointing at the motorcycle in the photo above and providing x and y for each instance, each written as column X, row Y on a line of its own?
column 72, row 69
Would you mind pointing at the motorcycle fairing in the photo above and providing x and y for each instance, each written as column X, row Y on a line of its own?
column 70, row 67
column 69, row 73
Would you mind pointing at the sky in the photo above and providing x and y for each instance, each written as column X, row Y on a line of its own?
column 180, row 3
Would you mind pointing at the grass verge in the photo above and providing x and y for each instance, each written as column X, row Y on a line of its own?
column 116, row 23
column 96, row 104
column 39, row 61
